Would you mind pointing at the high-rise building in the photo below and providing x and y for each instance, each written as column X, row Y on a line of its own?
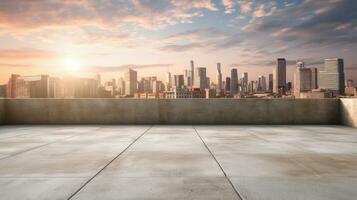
column 186, row 77
column 279, row 76
column 158, row 86
column 192, row 73
column 121, row 86
column 244, row 83
column 3, row 91
column 271, row 82
column 302, row 79
column 200, row 79
column 219, row 80
column 11, row 86
column 144, row 86
column 227, row 87
column 314, row 82
column 234, row 81
column 178, row 81
column 131, row 82
column 168, row 81
column 29, row 86
column 54, row 87
column 262, row 83
column 333, row 76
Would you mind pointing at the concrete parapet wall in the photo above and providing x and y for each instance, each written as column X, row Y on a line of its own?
column 179, row 111
column 2, row 111
column 349, row 112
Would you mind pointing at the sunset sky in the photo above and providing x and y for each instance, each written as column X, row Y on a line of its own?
column 84, row 37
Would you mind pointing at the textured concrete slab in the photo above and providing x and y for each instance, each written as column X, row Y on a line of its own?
column 297, row 188
column 38, row 188
column 178, row 162
column 161, row 188
column 286, row 162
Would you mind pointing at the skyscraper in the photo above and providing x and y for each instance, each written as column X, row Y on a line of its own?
column 200, row 78
column 187, row 77
column 279, row 76
column 333, row 76
column 219, row 80
column 168, row 81
column 234, row 81
column 262, row 83
column 227, row 87
column 131, row 82
column 270, row 82
column 314, row 82
column 244, row 83
column 178, row 81
column 302, row 79
column 192, row 73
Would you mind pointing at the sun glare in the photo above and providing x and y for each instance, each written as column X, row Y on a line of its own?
column 72, row 64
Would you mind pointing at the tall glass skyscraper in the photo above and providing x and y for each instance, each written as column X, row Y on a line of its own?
column 333, row 76
column 234, row 81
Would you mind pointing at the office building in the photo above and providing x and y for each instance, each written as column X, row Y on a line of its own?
column 332, row 77
column 227, row 87
column 28, row 86
column 244, row 83
column 184, row 93
column 168, row 81
column 314, row 75
column 279, row 77
column 271, row 80
column 3, row 91
column 234, row 82
column 192, row 73
column 200, row 79
column 262, row 84
column 131, row 82
column 178, row 81
column 302, row 79
column 121, row 86
column 219, row 80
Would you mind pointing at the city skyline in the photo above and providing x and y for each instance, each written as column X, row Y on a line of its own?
column 309, row 82
column 82, row 38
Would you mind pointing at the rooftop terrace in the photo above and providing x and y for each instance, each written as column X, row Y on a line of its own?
column 178, row 162
column 188, row 161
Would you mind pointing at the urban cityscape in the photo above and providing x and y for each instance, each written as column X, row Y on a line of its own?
column 178, row 99
column 308, row 82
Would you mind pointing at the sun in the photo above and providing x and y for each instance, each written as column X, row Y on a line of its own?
column 72, row 64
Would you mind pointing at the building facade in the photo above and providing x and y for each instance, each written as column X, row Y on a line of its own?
column 332, row 77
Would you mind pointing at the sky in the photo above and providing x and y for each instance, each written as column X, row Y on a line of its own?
column 83, row 37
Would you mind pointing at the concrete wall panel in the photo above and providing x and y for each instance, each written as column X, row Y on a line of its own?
column 165, row 111
column 349, row 112
column 2, row 111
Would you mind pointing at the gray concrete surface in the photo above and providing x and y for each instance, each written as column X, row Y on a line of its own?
column 163, row 111
column 349, row 112
column 178, row 162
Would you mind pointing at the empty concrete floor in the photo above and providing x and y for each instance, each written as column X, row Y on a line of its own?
column 178, row 162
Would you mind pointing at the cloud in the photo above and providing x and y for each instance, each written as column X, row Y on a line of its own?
column 26, row 53
column 26, row 15
column 311, row 23
column 180, row 47
column 123, row 67
column 207, row 39
column 259, row 12
column 229, row 6
column 246, row 7
column 15, row 65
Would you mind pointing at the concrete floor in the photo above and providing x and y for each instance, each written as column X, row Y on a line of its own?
column 178, row 162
